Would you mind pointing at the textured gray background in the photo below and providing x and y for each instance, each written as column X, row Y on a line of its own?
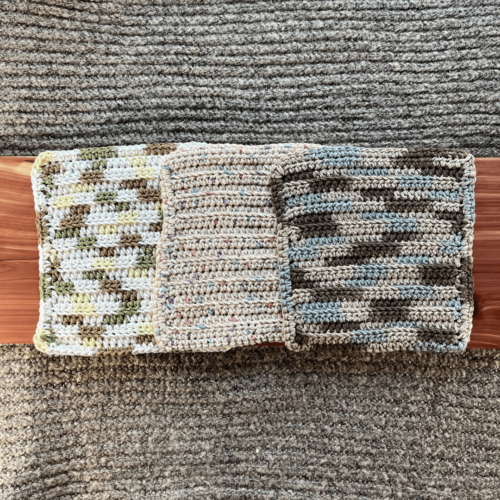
column 250, row 424
column 266, row 423
column 373, row 73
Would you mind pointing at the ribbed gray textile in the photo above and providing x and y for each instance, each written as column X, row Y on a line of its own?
column 373, row 73
column 251, row 423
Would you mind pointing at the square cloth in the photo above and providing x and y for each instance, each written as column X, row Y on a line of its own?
column 217, row 282
column 98, row 214
column 376, row 247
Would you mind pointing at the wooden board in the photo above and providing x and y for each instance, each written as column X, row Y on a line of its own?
column 486, row 254
column 19, row 296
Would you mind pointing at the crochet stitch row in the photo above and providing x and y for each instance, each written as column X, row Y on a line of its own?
column 376, row 247
column 217, row 282
column 99, row 215
column 294, row 243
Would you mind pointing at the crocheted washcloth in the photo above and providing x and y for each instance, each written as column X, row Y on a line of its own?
column 99, row 219
column 217, row 282
column 376, row 247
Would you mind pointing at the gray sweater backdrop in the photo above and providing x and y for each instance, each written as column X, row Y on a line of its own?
column 259, row 423
column 368, row 73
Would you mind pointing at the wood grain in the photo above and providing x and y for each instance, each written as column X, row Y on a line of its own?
column 19, row 297
column 18, row 239
column 486, row 254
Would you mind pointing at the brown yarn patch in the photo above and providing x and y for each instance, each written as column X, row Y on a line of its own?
column 92, row 331
column 107, row 252
column 144, row 194
column 129, row 296
column 76, row 319
column 155, row 227
column 159, row 148
column 134, row 184
column 51, row 169
column 129, row 240
column 41, row 225
column 110, row 285
column 94, row 176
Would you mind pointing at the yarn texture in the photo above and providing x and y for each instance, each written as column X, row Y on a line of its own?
column 377, row 74
column 99, row 215
column 296, row 243
column 217, row 282
column 375, row 247
column 252, row 423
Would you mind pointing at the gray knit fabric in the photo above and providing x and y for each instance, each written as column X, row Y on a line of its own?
column 374, row 73
column 258, row 422
column 252, row 423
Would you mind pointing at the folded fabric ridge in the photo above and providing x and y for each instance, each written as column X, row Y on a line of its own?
column 376, row 247
column 98, row 216
column 217, row 283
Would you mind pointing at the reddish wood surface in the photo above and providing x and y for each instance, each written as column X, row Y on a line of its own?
column 19, row 297
column 486, row 254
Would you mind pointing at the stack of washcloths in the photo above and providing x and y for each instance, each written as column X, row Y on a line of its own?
column 206, row 247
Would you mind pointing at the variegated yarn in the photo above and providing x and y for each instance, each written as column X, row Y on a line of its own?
column 217, row 282
column 99, row 219
column 376, row 247
column 298, row 243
